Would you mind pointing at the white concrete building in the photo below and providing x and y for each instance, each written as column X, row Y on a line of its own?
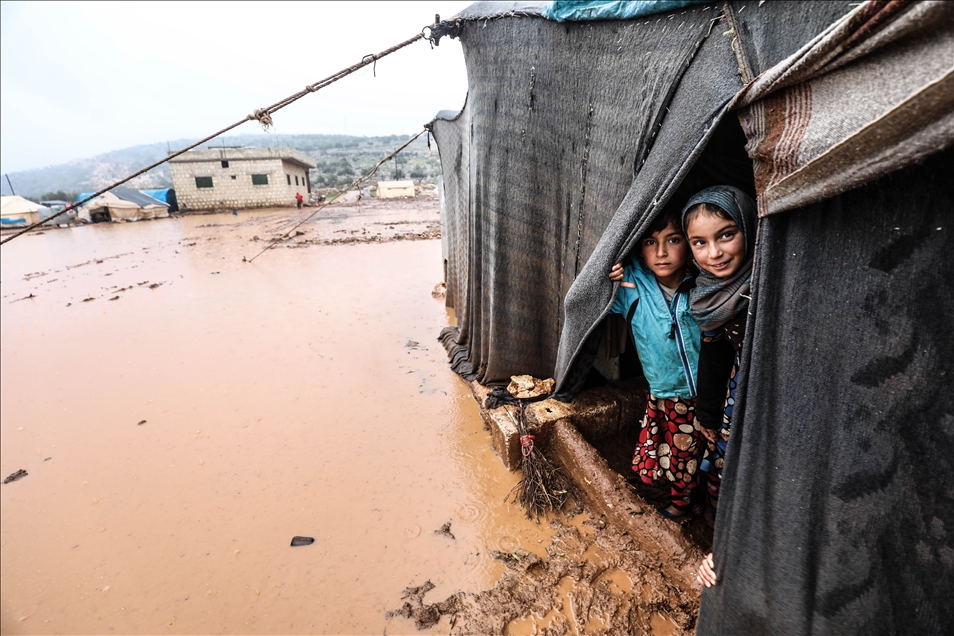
column 395, row 189
column 236, row 178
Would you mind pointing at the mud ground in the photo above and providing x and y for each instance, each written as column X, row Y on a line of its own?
column 593, row 580
column 182, row 414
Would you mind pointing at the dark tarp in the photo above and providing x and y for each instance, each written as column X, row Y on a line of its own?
column 837, row 509
column 575, row 135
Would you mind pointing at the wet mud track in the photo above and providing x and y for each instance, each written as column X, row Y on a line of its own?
column 198, row 412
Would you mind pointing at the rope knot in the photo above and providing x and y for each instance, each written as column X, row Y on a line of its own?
column 263, row 117
column 526, row 444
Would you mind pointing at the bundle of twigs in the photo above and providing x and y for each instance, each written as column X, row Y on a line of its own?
column 543, row 488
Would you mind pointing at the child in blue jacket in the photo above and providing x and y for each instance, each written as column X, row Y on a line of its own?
column 653, row 296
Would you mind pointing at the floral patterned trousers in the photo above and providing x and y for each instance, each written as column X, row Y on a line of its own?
column 670, row 446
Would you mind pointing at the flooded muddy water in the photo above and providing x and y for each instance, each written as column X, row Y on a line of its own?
column 182, row 415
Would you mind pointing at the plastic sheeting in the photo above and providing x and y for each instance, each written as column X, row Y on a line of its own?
column 571, row 11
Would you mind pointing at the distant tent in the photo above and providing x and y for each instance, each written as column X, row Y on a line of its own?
column 152, row 207
column 126, row 205
column 20, row 212
column 55, row 204
column 166, row 195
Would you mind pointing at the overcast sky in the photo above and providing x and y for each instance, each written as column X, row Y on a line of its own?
column 79, row 79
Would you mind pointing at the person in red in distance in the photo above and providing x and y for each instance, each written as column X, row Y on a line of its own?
column 299, row 199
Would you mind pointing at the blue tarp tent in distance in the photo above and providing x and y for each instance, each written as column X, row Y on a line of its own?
column 166, row 195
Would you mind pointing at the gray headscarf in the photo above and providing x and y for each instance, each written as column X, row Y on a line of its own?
column 715, row 301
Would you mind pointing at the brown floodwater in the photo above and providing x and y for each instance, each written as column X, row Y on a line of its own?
column 182, row 415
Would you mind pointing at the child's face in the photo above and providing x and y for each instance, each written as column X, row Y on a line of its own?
column 665, row 253
column 717, row 244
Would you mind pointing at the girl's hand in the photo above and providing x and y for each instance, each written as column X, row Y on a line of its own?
column 710, row 434
column 706, row 576
column 616, row 274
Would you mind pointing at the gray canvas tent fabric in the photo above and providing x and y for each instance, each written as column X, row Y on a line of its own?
column 838, row 500
column 543, row 153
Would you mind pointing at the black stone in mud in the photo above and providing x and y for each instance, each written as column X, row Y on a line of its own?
column 20, row 474
column 297, row 541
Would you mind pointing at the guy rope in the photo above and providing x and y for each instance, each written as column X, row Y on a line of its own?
column 367, row 175
column 264, row 117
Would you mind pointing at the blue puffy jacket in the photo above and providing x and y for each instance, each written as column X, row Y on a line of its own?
column 667, row 338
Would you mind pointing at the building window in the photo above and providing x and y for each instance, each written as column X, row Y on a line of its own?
column 225, row 164
column 288, row 177
column 203, row 182
column 259, row 179
column 296, row 179
column 233, row 177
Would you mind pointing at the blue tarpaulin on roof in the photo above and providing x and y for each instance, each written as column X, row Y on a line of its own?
column 570, row 11
column 161, row 194
column 166, row 195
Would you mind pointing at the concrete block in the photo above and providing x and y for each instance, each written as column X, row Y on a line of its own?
column 541, row 416
column 596, row 413
column 506, row 437
column 631, row 395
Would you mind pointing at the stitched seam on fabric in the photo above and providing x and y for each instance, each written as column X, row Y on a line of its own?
column 586, row 158
column 745, row 70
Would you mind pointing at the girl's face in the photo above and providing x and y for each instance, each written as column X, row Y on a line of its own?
column 717, row 244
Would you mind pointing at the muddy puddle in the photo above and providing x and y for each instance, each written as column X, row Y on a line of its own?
column 182, row 415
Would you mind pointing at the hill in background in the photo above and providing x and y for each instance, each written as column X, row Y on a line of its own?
column 340, row 158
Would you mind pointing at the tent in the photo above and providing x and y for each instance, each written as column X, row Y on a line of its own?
column 125, row 205
column 164, row 195
column 837, row 513
column 20, row 212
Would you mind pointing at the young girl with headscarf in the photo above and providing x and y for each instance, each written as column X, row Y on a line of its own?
column 720, row 226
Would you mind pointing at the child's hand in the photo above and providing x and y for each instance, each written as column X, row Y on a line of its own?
column 706, row 576
column 710, row 434
column 616, row 275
